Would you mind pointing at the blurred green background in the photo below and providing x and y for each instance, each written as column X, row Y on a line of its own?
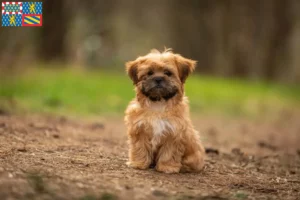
column 247, row 53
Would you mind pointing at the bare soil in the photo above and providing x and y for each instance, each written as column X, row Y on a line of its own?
column 46, row 157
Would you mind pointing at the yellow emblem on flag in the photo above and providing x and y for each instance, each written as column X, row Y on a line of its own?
column 12, row 20
column 32, row 8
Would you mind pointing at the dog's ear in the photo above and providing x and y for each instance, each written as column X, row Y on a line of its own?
column 132, row 70
column 185, row 66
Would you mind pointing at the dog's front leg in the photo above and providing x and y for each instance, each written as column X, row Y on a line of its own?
column 140, row 155
column 169, row 157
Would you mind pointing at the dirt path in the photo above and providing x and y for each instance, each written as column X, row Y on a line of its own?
column 58, row 158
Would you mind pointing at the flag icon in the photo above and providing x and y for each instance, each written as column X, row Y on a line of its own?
column 22, row 13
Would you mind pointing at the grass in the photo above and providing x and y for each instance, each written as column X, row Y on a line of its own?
column 241, row 195
column 78, row 92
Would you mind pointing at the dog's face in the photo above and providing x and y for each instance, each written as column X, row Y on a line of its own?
column 159, row 76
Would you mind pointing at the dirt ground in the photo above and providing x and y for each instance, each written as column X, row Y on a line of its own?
column 46, row 157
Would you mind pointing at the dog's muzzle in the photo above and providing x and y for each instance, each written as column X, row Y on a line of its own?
column 158, row 88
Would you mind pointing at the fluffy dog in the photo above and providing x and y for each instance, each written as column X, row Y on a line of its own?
column 160, row 131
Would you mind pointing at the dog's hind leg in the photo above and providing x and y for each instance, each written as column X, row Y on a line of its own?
column 193, row 162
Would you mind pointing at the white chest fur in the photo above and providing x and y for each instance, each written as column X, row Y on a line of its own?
column 161, row 127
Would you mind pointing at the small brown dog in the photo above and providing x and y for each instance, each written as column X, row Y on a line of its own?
column 160, row 131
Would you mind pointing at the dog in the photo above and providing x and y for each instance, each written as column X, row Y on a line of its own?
column 160, row 131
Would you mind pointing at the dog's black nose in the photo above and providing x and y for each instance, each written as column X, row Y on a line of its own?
column 158, row 80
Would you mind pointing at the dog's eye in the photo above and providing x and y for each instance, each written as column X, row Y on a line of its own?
column 168, row 73
column 150, row 73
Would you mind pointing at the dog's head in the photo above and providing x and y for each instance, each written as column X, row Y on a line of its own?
column 160, row 76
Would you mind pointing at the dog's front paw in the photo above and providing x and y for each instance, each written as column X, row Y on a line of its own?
column 137, row 165
column 168, row 169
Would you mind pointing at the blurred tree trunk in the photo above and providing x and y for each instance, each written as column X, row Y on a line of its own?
column 277, row 58
column 54, row 31
column 221, row 29
column 294, row 43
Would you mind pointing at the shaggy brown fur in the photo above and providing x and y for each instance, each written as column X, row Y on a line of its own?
column 160, row 131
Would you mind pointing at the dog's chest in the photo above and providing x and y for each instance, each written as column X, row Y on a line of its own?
column 161, row 127
column 157, row 125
